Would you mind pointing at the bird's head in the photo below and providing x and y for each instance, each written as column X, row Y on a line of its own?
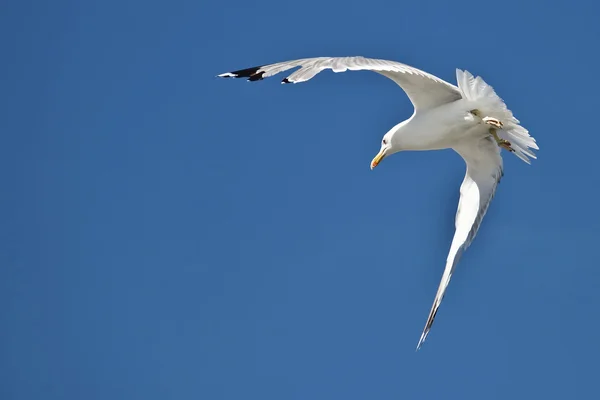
column 390, row 144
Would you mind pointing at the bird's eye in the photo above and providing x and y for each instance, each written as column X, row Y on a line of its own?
column 384, row 141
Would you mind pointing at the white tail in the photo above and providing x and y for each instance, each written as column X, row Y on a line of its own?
column 491, row 105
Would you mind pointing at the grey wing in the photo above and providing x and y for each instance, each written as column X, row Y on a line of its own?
column 423, row 89
column 484, row 171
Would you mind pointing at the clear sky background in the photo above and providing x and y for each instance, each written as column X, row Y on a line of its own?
column 169, row 235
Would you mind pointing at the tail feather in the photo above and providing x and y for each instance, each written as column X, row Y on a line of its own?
column 475, row 89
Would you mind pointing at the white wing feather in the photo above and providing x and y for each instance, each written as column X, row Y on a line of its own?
column 423, row 89
column 484, row 171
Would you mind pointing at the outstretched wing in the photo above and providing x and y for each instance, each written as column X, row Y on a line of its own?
column 423, row 89
column 484, row 171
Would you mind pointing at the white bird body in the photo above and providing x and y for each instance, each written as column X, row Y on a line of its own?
column 438, row 128
column 469, row 118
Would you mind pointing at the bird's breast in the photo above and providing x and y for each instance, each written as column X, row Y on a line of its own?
column 440, row 127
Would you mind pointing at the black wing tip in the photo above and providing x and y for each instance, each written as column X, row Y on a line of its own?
column 428, row 326
column 422, row 339
column 256, row 77
column 251, row 73
column 285, row 80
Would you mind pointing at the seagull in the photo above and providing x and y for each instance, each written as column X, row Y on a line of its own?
column 469, row 118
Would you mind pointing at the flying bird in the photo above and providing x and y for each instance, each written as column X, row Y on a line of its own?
column 469, row 118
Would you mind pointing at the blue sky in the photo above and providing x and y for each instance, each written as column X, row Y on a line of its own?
column 170, row 235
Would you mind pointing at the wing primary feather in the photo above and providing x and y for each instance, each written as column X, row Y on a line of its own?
column 423, row 89
column 252, row 74
column 484, row 172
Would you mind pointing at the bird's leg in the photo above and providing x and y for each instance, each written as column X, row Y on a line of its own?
column 494, row 125
column 505, row 144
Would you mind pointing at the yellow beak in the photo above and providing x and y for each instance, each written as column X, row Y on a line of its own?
column 378, row 158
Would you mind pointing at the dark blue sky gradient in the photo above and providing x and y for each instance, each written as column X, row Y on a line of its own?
column 170, row 235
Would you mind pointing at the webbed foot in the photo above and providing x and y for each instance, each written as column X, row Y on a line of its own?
column 505, row 144
column 496, row 123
